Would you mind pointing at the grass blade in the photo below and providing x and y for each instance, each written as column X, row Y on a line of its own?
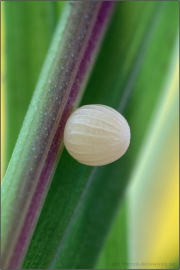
column 155, row 191
column 114, row 254
column 40, row 142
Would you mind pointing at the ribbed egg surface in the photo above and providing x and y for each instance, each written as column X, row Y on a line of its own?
column 96, row 135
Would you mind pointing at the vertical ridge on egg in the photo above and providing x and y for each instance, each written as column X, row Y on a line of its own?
column 96, row 135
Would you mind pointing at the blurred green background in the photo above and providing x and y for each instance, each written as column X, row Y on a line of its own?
column 140, row 57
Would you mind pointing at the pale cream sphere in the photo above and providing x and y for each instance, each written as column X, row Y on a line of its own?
column 96, row 135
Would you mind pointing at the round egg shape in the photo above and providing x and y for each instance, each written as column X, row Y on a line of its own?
column 96, row 135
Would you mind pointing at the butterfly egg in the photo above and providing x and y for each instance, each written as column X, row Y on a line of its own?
column 96, row 135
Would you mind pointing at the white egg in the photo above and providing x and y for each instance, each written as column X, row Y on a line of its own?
column 96, row 135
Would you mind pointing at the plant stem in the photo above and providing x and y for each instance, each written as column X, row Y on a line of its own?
column 40, row 142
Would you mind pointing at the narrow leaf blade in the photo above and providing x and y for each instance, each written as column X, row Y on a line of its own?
column 40, row 142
